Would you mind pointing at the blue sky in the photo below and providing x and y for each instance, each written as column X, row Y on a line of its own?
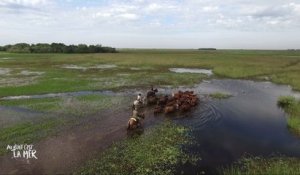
column 231, row 24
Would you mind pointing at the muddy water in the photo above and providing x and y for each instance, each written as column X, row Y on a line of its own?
column 247, row 123
column 74, row 145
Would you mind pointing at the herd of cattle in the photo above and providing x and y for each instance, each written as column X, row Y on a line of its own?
column 179, row 101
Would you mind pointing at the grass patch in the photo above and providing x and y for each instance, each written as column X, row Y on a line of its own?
column 26, row 133
column 281, row 66
column 150, row 153
column 42, row 105
column 261, row 166
column 292, row 107
column 81, row 105
column 219, row 95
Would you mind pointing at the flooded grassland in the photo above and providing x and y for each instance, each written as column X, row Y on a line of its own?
column 74, row 109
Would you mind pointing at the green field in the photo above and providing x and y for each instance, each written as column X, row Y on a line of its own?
column 139, row 68
column 28, row 74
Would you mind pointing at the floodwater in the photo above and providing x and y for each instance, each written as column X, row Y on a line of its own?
column 192, row 70
column 249, row 122
column 63, row 94
column 99, row 66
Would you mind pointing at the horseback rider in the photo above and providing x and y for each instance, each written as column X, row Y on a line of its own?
column 152, row 92
column 137, row 104
column 139, row 97
column 137, row 115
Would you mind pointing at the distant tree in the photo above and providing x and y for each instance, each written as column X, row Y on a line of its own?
column 56, row 48
column 82, row 48
column 93, row 49
column 207, row 49
column 7, row 47
column 41, row 48
column 20, row 48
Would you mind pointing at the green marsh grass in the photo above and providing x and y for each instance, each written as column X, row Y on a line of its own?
column 27, row 133
column 280, row 66
column 60, row 113
column 219, row 95
column 68, row 105
column 149, row 153
column 264, row 166
column 291, row 106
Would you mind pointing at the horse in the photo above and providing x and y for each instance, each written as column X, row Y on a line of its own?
column 134, row 122
column 152, row 92
column 152, row 100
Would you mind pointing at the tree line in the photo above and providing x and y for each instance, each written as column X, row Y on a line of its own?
column 56, row 48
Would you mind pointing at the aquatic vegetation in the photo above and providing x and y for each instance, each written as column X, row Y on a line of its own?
column 28, row 132
column 156, row 152
column 219, row 95
column 279, row 66
column 257, row 165
column 81, row 105
column 292, row 107
column 67, row 111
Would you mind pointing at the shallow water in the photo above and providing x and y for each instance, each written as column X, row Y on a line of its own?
column 247, row 123
column 63, row 94
column 4, row 71
column 98, row 66
column 192, row 70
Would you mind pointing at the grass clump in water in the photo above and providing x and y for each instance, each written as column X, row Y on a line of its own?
column 292, row 107
column 155, row 152
column 257, row 165
column 219, row 95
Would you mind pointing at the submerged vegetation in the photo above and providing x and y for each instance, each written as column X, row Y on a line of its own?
column 81, row 105
column 156, row 152
column 291, row 106
column 219, row 95
column 27, row 132
column 61, row 112
column 257, row 165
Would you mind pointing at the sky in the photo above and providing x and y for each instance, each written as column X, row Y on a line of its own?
column 230, row 24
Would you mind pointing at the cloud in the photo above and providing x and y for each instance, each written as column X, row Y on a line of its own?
column 22, row 4
column 210, row 8
column 146, row 17
column 128, row 16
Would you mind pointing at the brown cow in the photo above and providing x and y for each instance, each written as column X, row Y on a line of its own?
column 158, row 109
column 170, row 109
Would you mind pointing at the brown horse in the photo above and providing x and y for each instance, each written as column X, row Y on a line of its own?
column 151, row 100
column 134, row 122
column 152, row 92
